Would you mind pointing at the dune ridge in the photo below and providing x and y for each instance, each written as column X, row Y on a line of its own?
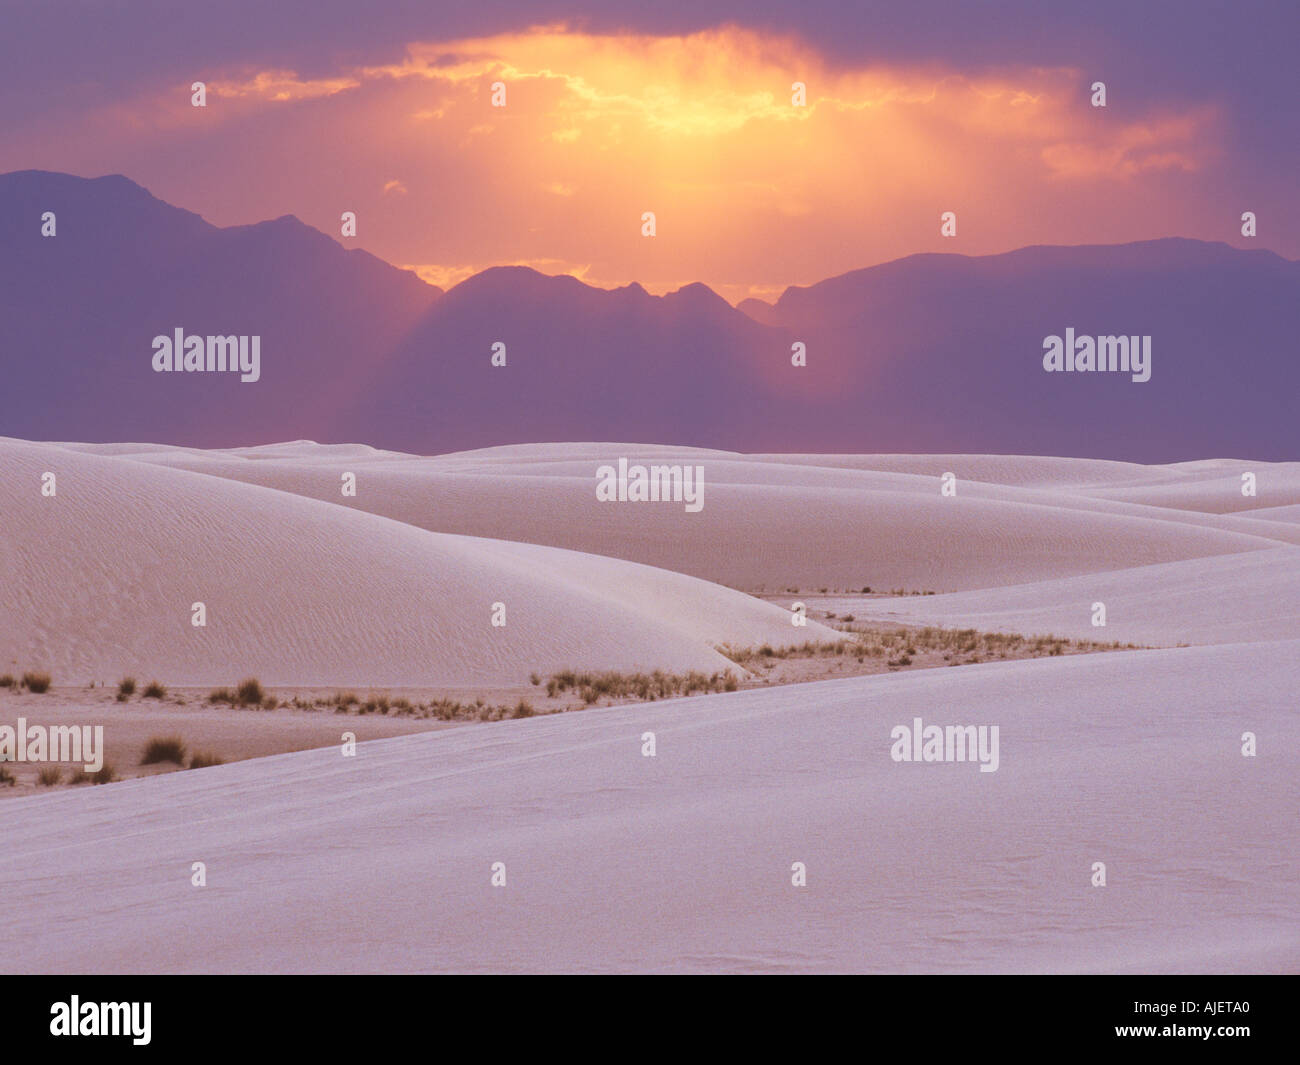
column 101, row 580
column 876, row 521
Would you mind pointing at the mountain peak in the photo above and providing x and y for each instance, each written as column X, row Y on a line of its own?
column 697, row 295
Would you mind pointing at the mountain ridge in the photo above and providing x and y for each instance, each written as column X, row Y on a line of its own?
column 933, row 352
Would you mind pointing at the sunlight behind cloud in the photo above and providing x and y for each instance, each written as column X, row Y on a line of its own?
column 750, row 190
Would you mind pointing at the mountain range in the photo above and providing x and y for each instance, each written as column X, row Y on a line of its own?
column 930, row 353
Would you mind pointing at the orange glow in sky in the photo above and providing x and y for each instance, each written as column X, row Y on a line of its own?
column 751, row 192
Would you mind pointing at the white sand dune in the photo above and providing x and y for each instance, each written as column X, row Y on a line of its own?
column 682, row 862
column 803, row 524
column 1225, row 599
column 1214, row 489
column 1025, row 471
column 99, row 582
column 1288, row 513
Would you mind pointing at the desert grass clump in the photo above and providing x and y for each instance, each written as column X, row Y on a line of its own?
column 36, row 682
column 154, row 690
column 7, row 681
column 523, row 708
column 448, row 709
column 164, row 749
column 106, row 775
column 125, row 688
column 49, row 776
column 647, row 687
column 203, row 759
column 250, row 692
column 7, row 778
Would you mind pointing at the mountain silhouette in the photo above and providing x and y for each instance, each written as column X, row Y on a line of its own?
column 933, row 353
column 82, row 308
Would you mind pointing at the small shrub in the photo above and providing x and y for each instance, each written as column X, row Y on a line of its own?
column 154, row 690
column 7, row 681
column 203, row 759
column 222, row 695
column 126, row 688
column 164, row 749
column 36, row 682
column 6, row 777
column 49, row 776
column 105, row 776
column 522, row 709
column 250, row 692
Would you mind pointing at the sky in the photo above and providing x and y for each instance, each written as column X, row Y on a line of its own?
column 683, row 109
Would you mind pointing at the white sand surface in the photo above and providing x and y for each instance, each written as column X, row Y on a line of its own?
column 682, row 862
column 1224, row 599
column 100, row 582
column 775, row 522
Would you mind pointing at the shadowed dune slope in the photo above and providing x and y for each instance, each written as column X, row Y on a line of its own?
column 781, row 522
column 100, row 581
column 1225, row 599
